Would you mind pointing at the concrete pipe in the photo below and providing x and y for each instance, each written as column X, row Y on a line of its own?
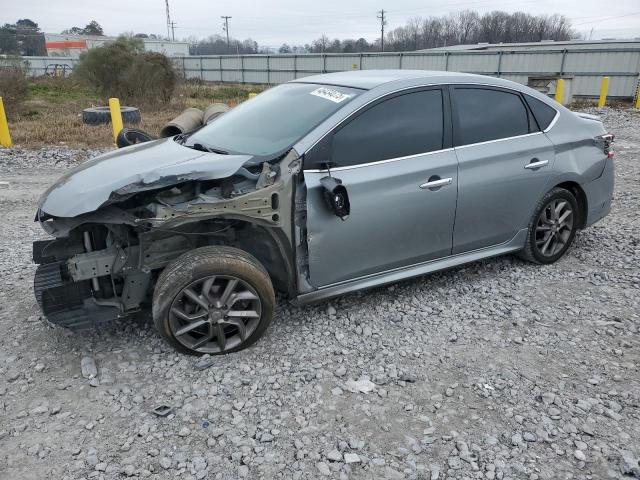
column 213, row 111
column 186, row 122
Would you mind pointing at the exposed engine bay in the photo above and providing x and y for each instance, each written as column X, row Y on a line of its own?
column 102, row 263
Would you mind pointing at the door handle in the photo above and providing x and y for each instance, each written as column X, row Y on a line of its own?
column 440, row 182
column 535, row 163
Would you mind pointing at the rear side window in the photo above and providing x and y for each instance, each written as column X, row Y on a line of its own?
column 404, row 125
column 544, row 113
column 485, row 115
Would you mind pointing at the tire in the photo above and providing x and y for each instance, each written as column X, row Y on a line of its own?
column 189, row 274
column 100, row 115
column 544, row 224
column 130, row 136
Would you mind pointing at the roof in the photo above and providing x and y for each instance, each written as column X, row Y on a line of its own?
column 544, row 44
column 368, row 79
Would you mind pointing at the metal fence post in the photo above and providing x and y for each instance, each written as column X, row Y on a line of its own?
column 242, row 67
column 268, row 71
column 360, row 63
column 446, row 61
column 400, row 60
column 201, row 72
column 500, row 62
column 220, row 65
column 295, row 66
column 564, row 57
column 324, row 63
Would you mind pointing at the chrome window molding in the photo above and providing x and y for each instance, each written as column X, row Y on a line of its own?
column 379, row 162
column 467, row 145
column 553, row 122
column 425, row 85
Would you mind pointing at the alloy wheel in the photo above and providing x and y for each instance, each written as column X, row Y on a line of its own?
column 215, row 314
column 554, row 227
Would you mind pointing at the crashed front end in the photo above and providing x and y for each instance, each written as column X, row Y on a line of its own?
column 118, row 220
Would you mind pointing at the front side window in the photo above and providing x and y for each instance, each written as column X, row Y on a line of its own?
column 485, row 115
column 274, row 120
column 404, row 125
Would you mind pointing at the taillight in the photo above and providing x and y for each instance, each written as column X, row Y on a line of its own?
column 606, row 140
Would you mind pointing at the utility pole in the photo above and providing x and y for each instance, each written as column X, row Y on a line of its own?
column 166, row 2
column 226, row 29
column 383, row 22
column 173, row 31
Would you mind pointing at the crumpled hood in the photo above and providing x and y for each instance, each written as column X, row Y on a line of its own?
column 140, row 167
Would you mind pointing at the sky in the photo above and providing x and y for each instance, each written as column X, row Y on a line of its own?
column 274, row 22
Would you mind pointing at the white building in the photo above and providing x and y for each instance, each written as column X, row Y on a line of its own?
column 62, row 45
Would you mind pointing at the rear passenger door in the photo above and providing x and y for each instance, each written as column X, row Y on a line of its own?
column 395, row 158
column 504, row 164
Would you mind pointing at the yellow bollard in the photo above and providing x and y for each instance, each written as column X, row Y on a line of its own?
column 116, row 117
column 5, row 138
column 252, row 94
column 560, row 91
column 604, row 88
column 638, row 95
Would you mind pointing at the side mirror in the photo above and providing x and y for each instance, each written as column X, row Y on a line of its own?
column 336, row 197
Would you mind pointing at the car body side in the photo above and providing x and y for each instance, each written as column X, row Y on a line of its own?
column 269, row 215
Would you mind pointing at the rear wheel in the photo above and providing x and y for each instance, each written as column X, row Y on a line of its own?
column 552, row 227
column 213, row 300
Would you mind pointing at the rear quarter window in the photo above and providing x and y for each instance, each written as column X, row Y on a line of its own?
column 543, row 113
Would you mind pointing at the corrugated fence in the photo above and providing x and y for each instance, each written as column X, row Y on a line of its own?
column 586, row 66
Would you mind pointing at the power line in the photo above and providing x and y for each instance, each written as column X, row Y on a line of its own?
column 226, row 29
column 383, row 22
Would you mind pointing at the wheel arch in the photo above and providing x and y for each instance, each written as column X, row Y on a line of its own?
column 580, row 196
column 270, row 246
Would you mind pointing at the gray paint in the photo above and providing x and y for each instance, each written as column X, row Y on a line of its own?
column 496, row 193
column 388, row 210
column 396, row 229
column 140, row 167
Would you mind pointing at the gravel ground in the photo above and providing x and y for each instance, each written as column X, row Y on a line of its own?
column 499, row 369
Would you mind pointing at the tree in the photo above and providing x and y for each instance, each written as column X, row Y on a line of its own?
column 91, row 28
column 284, row 48
column 22, row 38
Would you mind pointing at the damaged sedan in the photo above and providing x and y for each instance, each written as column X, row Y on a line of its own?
column 318, row 187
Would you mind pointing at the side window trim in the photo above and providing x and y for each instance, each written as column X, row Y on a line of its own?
column 447, row 126
column 457, row 141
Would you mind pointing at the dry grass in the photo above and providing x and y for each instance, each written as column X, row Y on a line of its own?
column 53, row 114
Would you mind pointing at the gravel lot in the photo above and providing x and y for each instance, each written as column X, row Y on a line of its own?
column 499, row 369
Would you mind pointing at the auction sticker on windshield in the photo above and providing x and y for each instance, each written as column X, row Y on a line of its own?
column 330, row 94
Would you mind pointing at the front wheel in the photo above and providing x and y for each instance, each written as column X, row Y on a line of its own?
column 552, row 227
column 213, row 300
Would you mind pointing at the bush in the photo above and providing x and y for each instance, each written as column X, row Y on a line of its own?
column 122, row 69
column 14, row 87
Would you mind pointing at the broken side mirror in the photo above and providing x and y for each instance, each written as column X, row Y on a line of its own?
column 336, row 196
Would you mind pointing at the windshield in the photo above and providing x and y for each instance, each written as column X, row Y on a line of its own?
column 274, row 120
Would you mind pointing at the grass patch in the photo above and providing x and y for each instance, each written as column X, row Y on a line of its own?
column 53, row 113
column 58, row 90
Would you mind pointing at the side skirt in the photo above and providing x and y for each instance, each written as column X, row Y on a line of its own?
column 391, row 276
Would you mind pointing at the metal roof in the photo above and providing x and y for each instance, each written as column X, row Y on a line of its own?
column 368, row 79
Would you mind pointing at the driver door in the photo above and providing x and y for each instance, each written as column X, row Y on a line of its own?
column 395, row 159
